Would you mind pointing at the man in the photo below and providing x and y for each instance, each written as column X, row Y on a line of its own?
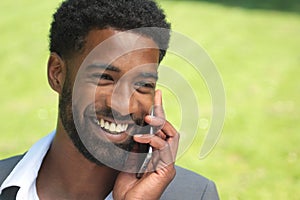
column 103, row 64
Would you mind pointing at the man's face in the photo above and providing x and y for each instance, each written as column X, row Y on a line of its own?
column 108, row 91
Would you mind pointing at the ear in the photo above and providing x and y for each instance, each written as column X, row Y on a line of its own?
column 56, row 72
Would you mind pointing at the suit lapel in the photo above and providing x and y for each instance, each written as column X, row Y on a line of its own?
column 9, row 193
column 6, row 166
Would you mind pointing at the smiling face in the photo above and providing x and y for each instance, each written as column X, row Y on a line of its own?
column 108, row 90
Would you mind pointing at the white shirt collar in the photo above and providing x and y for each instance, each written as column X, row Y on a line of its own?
column 26, row 171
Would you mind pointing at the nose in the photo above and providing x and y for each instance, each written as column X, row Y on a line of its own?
column 123, row 99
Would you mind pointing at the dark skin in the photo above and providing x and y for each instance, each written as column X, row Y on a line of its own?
column 65, row 173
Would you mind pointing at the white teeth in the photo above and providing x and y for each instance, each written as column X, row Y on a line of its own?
column 102, row 123
column 112, row 127
column 106, row 125
column 119, row 128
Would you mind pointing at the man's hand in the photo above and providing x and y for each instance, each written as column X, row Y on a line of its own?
column 161, row 169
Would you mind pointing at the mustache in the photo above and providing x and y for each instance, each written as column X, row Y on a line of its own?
column 118, row 117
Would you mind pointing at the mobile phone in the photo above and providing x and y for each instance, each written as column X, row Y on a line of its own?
column 148, row 157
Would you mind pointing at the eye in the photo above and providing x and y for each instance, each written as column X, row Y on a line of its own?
column 105, row 77
column 144, row 87
column 102, row 79
column 145, row 84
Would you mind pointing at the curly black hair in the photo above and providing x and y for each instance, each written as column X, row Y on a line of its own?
column 75, row 18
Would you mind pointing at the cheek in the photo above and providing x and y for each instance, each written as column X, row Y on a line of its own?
column 145, row 103
column 83, row 96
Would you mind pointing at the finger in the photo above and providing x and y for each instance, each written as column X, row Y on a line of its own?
column 160, row 134
column 155, row 141
column 166, row 158
column 164, row 155
column 169, row 130
column 158, row 98
column 155, row 121
column 171, row 136
column 163, row 138
column 161, row 125
column 158, row 107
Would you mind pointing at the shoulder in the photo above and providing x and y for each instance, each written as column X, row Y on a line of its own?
column 189, row 185
column 7, row 165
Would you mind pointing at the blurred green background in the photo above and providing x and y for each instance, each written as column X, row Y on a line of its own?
column 256, row 47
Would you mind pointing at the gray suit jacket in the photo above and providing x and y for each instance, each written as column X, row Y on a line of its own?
column 186, row 184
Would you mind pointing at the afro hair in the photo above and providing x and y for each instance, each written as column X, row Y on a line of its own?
column 75, row 18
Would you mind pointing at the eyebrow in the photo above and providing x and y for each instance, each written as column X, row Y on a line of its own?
column 149, row 75
column 103, row 66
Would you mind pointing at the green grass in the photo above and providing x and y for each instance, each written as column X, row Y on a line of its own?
column 257, row 54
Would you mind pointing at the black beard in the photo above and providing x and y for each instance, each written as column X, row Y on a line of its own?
column 107, row 153
column 66, row 116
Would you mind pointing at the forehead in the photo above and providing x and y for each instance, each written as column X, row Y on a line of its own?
column 111, row 46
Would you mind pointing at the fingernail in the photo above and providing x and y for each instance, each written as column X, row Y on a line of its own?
column 138, row 135
column 150, row 117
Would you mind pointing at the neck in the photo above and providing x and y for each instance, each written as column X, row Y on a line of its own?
column 66, row 174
